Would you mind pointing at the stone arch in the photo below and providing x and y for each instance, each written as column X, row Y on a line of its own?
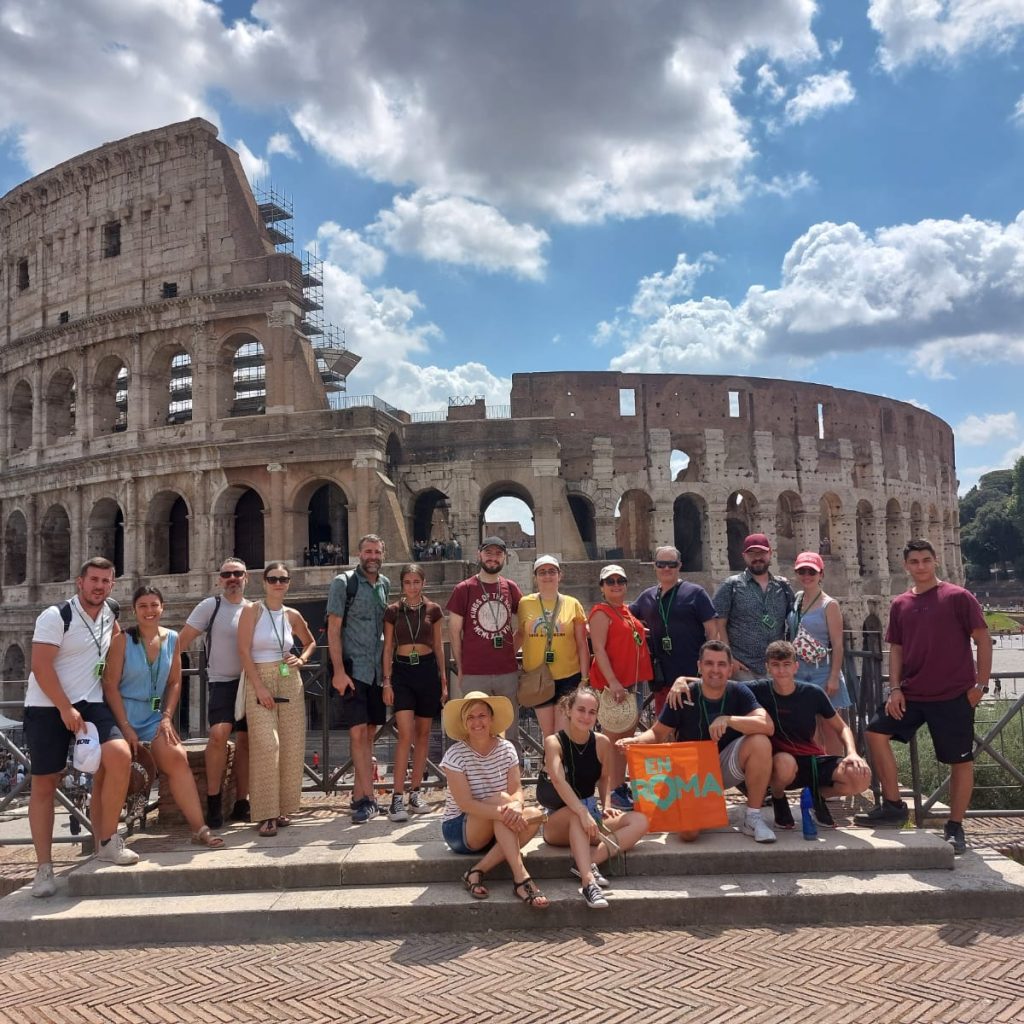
column 894, row 536
column 739, row 522
column 430, row 516
column 15, row 549
column 55, row 545
column 14, row 673
column 106, row 533
column 868, row 558
column 506, row 489
column 168, row 534
column 788, row 509
column 634, row 525
column 689, row 528
column 19, row 417
column 585, row 518
column 170, row 393
column 830, row 510
column 249, row 513
column 247, row 391
column 60, row 406
column 327, row 530
column 110, row 396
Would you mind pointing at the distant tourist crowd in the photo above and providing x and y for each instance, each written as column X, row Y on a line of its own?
column 756, row 670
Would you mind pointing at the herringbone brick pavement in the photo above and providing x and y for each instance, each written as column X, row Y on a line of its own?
column 959, row 973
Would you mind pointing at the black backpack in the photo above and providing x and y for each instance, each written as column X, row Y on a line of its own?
column 65, row 611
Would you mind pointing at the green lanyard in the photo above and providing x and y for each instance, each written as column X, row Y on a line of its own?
column 704, row 709
column 279, row 637
column 414, row 638
column 550, row 623
column 627, row 620
column 154, row 668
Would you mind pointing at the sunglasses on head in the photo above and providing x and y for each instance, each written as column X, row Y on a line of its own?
column 226, row 574
column 662, row 564
column 278, row 579
column 615, row 581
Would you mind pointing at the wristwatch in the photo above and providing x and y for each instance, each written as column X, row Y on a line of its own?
column 981, row 686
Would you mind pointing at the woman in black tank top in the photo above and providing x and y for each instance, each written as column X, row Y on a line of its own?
column 575, row 787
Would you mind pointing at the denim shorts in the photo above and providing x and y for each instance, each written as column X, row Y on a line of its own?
column 453, row 832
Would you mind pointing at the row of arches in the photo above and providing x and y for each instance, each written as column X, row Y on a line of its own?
column 169, row 394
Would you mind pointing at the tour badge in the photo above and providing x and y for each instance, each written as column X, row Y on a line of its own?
column 283, row 669
column 414, row 658
column 549, row 657
column 498, row 641
column 666, row 643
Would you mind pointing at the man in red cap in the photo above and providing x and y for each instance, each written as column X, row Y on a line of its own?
column 752, row 607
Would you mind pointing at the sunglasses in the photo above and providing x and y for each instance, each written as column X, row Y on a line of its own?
column 614, row 581
column 227, row 574
column 666, row 565
column 804, row 571
column 547, row 572
column 278, row 579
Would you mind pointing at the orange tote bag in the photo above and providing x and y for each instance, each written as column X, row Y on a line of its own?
column 678, row 785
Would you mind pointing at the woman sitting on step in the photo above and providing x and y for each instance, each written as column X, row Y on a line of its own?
column 484, row 810
column 141, row 685
column 576, row 787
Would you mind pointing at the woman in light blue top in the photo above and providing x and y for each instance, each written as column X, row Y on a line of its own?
column 141, row 685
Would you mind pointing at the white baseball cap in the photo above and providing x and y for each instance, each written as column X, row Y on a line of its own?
column 87, row 754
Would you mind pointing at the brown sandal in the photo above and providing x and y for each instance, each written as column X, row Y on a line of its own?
column 267, row 828
column 206, row 837
column 476, row 889
column 283, row 821
column 531, row 895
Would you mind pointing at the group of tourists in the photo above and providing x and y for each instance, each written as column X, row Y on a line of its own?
column 757, row 670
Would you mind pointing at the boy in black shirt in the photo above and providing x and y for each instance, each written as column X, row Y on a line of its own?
column 798, row 760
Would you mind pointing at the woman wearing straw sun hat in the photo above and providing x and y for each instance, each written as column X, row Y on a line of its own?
column 484, row 810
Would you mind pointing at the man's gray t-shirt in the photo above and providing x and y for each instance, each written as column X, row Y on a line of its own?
column 223, row 665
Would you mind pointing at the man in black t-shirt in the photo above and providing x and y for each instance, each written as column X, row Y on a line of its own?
column 726, row 712
column 798, row 759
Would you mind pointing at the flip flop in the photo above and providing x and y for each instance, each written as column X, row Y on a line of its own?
column 206, row 837
column 283, row 821
column 267, row 828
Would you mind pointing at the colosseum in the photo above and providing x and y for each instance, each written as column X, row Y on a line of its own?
column 171, row 393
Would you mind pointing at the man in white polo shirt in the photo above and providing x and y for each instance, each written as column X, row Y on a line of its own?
column 69, row 649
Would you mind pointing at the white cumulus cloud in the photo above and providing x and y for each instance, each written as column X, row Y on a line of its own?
column 256, row 167
column 818, row 94
column 454, row 230
column 979, row 430
column 912, row 30
column 281, row 143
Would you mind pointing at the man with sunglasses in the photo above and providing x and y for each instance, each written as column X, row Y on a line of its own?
column 679, row 617
column 217, row 618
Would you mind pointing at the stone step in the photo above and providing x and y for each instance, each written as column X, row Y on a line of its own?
column 982, row 884
column 309, row 856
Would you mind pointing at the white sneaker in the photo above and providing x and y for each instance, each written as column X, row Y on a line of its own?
column 417, row 805
column 754, row 825
column 43, row 884
column 397, row 811
column 115, row 852
column 598, row 877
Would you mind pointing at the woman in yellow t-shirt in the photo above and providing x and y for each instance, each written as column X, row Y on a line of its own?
column 553, row 628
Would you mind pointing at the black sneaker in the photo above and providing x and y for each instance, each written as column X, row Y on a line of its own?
column 886, row 813
column 593, row 895
column 214, row 815
column 240, row 812
column 822, row 815
column 783, row 813
column 363, row 810
column 953, row 833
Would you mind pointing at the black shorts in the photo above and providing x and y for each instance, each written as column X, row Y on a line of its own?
column 827, row 765
column 220, row 705
column 363, row 705
column 48, row 738
column 417, row 687
column 950, row 722
column 562, row 687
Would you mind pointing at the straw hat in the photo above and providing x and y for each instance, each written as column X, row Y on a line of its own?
column 452, row 720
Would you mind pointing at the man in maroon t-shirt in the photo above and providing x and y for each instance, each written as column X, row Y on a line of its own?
column 933, row 681
column 481, row 629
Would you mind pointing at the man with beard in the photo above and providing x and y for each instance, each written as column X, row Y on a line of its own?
column 69, row 649
column 752, row 607
column 679, row 617
column 718, row 709
column 217, row 618
column 481, row 629
column 355, row 639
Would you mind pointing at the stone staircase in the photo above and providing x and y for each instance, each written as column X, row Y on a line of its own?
column 324, row 877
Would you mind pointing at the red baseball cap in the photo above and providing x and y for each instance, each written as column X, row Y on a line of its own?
column 756, row 542
column 810, row 559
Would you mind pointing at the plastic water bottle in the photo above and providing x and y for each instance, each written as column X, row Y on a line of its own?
column 810, row 828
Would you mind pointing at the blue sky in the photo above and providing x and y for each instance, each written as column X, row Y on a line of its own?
column 827, row 191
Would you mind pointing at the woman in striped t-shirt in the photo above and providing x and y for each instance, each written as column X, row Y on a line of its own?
column 484, row 811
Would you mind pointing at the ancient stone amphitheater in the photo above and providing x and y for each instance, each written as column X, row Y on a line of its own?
column 170, row 393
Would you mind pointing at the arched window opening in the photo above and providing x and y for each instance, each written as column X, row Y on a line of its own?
column 21, row 417
column 586, row 522
column 167, row 534
column 106, row 533
column 15, row 675
column 633, row 526
column 688, row 519
column 739, row 518
column 829, row 512
column 179, row 388
column 431, row 524
column 249, row 379
column 55, row 546
column 328, row 526
column 60, row 407
column 249, row 529
column 678, row 464
column 110, row 396
column 15, row 550
column 505, row 514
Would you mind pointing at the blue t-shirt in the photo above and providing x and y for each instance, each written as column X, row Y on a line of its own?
column 687, row 609
column 693, row 722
